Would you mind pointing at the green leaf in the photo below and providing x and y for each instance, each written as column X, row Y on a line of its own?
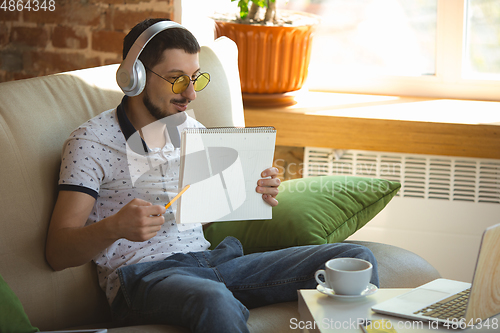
column 243, row 4
column 260, row 3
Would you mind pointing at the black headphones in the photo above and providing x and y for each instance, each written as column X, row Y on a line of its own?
column 131, row 75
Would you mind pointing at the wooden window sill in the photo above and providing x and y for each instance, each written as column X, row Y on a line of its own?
column 385, row 123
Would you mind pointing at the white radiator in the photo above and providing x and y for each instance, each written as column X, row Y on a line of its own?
column 440, row 212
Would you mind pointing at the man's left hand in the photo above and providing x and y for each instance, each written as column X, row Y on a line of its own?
column 269, row 186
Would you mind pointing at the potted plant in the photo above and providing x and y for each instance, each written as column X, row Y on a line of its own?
column 274, row 49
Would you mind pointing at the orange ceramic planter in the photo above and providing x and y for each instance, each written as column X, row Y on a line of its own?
column 271, row 59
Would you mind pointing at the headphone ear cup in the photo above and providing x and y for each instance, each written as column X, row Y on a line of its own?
column 140, row 72
column 138, row 81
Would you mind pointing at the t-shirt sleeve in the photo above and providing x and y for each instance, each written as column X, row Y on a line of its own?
column 81, row 169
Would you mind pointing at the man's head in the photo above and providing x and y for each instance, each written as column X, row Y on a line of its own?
column 168, row 55
column 173, row 38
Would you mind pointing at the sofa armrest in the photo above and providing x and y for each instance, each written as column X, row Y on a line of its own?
column 400, row 268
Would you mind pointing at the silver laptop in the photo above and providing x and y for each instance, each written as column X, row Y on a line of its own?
column 448, row 301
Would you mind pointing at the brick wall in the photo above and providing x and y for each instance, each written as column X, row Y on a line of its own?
column 77, row 34
column 289, row 161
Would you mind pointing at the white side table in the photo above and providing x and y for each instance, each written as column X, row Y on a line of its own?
column 320, row 313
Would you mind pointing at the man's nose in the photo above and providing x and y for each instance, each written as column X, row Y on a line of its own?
column 189, row 93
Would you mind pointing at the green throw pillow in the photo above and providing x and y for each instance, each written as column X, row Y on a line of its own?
column 12, row 316
column 311, row 211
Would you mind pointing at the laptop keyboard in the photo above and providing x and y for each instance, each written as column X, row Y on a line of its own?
column 452, row 307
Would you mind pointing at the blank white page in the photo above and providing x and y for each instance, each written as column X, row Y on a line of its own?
column 222, row 167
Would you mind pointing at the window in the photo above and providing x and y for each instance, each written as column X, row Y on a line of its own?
column 432, row 48
column 360, row 38
column 483, row 39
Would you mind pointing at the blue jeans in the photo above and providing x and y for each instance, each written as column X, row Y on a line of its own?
column 211, row 291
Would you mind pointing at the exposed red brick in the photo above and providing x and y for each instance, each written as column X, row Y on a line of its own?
column 67, row 12
column 12, row 76
column 108, row 19
column 113, row 61
column 126, row 20
column 20, row 54
column 56, row 16
column 11, row 59
column 166, row 5
column 30, row 36
column 108, row 41
column 20, row 76
column 110, row 2
column 6, row 16
column 68, row 37
column 44, row 63
column 119, row 2
column 4, row 34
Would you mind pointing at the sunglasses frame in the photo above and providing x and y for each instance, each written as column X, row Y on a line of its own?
column 183, row 75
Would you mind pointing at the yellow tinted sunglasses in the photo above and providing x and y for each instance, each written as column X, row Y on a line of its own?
column 181, row 83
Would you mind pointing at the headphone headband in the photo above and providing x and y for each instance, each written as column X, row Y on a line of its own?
column 131, row 75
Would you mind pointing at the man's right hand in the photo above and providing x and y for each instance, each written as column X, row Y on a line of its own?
column 138, row 221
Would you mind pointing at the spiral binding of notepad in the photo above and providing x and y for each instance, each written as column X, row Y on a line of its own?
column 219, row 130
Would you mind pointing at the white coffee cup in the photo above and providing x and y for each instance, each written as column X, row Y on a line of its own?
column 346, row 276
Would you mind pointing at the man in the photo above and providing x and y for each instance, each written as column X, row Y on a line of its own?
column 152, row 272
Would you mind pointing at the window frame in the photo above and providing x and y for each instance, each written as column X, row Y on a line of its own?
column 451, row 79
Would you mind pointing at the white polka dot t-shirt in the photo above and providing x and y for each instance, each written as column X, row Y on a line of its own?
column 100, row 159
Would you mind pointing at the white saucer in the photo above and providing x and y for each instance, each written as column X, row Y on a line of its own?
column 370, row 290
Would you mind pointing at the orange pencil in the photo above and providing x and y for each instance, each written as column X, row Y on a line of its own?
column 177, row 196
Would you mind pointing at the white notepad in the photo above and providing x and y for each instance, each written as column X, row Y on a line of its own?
column 222, row 167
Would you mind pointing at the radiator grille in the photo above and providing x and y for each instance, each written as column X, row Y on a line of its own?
column 421, row 176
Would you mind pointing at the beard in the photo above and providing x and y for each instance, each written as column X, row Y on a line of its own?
column 155, row 110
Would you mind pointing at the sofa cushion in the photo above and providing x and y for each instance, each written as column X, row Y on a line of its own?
column 12, row 315
column 311, row 211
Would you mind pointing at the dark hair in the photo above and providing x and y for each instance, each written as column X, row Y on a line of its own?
column 173, row 38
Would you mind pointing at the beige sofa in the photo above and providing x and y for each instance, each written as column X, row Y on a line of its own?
column 36, row 116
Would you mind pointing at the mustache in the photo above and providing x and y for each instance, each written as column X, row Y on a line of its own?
column 181, row 100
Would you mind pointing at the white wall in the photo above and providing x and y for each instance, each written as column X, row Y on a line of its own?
column 194, row 15
column 445, row 233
